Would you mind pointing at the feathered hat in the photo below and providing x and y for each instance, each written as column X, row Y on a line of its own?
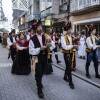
column 67, row 26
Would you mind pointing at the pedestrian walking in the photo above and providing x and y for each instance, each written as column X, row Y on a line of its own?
column 67, row 42
column 11, row 43
column 82, row 45
column 21, row 65
column 55, row 38
column 38, row 48
column 91, row 49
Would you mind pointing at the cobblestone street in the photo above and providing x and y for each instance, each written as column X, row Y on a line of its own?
column 13, row 87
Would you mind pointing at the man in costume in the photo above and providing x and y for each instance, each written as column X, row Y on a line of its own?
column 11, row 42
column 38, row 48
column 67, row 42
column 91, row 49
column 55, row 38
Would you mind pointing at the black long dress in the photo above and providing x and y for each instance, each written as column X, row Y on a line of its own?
column 21, row 65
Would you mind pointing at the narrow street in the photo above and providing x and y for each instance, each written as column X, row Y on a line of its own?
column 13, row 87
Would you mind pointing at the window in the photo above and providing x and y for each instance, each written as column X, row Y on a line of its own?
column 49, row 11
column 30, row 10
column 95, row 2
column 63, row 1
column 49, row 0
column 81, row 3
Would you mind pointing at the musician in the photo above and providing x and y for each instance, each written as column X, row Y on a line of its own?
column 38, row 48
column 11, row 42
column 67, row 42
column 91, row 49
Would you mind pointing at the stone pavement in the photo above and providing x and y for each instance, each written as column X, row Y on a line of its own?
column 80, row 67
column 14, row 87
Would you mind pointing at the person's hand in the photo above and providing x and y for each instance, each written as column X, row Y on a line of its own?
column 75, row 46
column 99, row 46
column 14, row 43
column 43, row 47
column 26, row 48
column 48, row 44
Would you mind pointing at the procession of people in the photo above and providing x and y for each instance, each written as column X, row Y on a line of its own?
column 33, row 52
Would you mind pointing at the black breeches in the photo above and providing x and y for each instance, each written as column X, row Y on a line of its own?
column 68, row 63
column 40, row 70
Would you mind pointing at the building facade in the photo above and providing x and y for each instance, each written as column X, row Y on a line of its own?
column 33, row 11
column 2, row 16
column 84, row 13
column 16, row 17
column 56, row 11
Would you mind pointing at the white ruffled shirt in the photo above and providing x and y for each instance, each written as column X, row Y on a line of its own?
column 36, row 51
column 63, row 43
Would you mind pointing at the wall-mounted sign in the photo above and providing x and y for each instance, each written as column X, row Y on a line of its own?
column 47, row 22
column 36, row 16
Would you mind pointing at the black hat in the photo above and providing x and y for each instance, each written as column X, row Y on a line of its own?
column 67, row 26
column 13, row 31
column 36, row 23
column 91, row 28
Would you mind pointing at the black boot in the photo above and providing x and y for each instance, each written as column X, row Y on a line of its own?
column 97, row 76
column 40, row 94
column 70, row 80
column 87, row 70
column 66, row 79
column 96, row 70
column 88, row 76
column 56, row 56
column 71, row 85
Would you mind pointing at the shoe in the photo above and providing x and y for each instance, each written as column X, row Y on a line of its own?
column 71, row 85
column 58, row 62
column 88, row 76
column 73, row 69
column 40, row 94
column 66, row 79
column 97, row 76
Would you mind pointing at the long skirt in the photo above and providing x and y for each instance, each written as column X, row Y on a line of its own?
column 21, row 64
column 81, row 51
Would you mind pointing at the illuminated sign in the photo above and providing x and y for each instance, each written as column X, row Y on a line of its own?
column 47, row 22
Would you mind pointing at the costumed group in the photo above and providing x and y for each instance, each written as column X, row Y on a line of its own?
column 33, row 53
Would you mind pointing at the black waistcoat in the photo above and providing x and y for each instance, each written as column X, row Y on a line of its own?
column 37, row 43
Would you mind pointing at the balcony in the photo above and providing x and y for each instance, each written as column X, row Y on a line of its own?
column 33, row 16
column 63, row 8
column 87, row 6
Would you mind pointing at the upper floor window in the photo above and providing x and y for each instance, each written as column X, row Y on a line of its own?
column 30, row 10
column 63, row 1
column 49, row 0
column 81, row 3
column 94, row 2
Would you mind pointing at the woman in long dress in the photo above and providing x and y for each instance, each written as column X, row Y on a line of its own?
column 82, row 47
column 21, row 65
